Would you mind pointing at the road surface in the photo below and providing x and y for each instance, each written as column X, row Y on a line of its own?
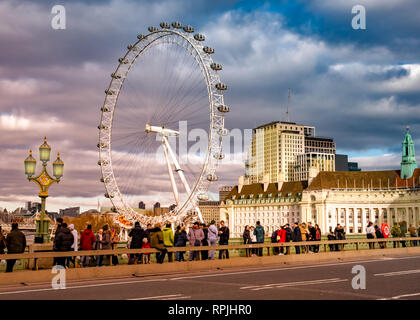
column 394, row 277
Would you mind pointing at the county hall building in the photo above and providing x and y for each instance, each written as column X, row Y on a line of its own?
column 350, row 198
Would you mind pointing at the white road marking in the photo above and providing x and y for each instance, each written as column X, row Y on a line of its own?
column 158, row 297
column 292, row 284
column 397, row 273
column 291, row 268
column 402, row 296
column 79, row 287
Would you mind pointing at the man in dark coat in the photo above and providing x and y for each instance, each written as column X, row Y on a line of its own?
column 137, row 235
column 297, row 237
column 259, row 233
column 16, row 243
column 312, row 236
column 63, row 242
column 223, row 239
column 59, row 222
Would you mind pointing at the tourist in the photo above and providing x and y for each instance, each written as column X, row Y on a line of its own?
column 281, row 236
column 331, row 237
column 403, row 227
column 195, row 236
column 204, row 242
column 253, row 240
column 74, row 246
column 312, row 236
column 15, row 243
column 289, row 237
column 396, row 233
column 59, row 222
column 145, row 256
column 106, row 242
column 137, row 235
column 297, row 236
column 247, row 240
column 64, row 241
column 3, row 243
column 413, row 233
column 98, row 246
column 259, row 233
column 223, row 240
column 274, row 239
column 379, row 235
column 212, row 237
column 115, row 239
column 168, row 240
column 305, row 236
column 370, row 234
column 340, row 234
column 156, row 241
column 87, row 241
column 318, row 237
column 180, row 240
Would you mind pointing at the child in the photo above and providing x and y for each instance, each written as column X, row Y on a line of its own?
column 146, row 256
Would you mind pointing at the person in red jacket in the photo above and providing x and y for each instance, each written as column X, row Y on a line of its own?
column 281, row 235
column 87, row 239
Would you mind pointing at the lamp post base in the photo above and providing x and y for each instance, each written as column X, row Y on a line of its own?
column 42, row 235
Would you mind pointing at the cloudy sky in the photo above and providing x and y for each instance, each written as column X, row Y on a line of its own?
column 359, row 86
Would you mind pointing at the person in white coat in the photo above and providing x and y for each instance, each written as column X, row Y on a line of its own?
column 74, row 246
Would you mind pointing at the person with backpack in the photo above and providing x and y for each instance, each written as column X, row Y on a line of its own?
column 259, row 233
column 212, row 237
column 275, row 239
column 87, row 242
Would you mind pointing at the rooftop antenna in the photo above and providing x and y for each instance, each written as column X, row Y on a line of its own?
column 407, row 128
column 287, row 110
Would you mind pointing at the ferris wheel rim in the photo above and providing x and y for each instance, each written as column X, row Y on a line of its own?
column 216, row 121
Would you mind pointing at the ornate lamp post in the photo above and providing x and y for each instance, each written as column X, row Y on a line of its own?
column 43, row 180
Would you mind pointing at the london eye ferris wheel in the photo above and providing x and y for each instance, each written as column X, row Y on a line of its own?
column 165, row 82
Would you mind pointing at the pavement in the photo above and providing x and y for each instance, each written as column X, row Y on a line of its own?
column 394, row 277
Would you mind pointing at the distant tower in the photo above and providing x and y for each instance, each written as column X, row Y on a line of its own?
column 142, row 205
column 408, row 161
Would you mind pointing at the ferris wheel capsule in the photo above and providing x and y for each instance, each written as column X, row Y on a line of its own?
column 216, row 66
column 115, row 75
column 141, row 36
column 199, row 37
column 176, row 25
column 211, row 177
column 165, row 25
column 123, row 60
column 152, row 29
column 105, row 109
column 208, row 50
column 223, row 132
column 188, row 29
column 221, row 86
column 223, row 108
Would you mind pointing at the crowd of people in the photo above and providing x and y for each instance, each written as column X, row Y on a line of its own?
column 199, row 234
